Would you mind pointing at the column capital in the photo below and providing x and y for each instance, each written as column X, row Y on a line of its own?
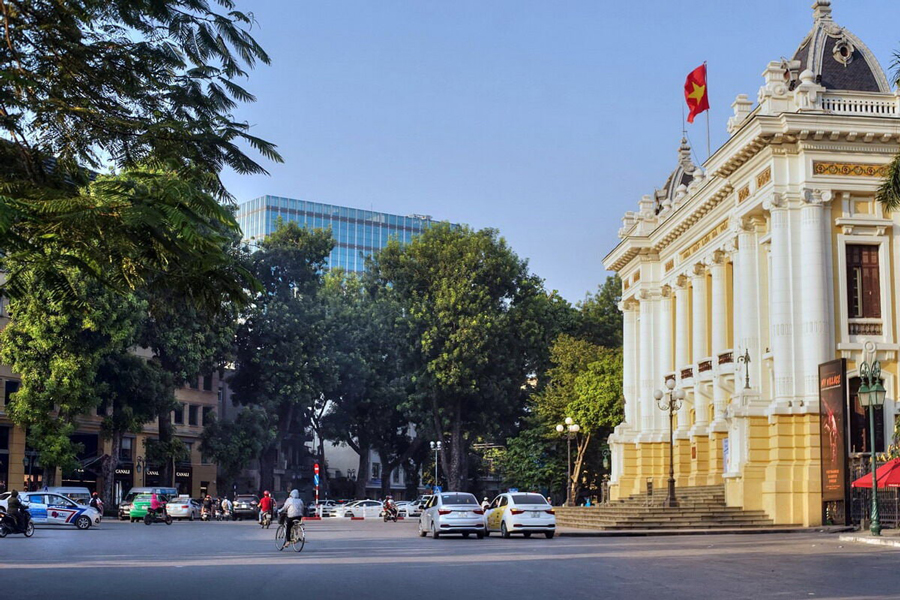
column 719, row 257
column 666, row 291
column 628, row 305
column 698, row 269
column 817, row 197
column 682, row 282
column 776, row 202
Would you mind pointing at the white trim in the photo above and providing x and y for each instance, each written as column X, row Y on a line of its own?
column 885, row 281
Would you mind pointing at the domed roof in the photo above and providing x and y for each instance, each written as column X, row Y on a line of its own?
column 837, row 58
column 681, row 176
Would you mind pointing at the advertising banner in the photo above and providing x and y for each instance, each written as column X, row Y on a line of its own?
column 833, row 428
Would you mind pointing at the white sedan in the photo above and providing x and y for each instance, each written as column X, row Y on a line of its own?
column 367, row 509
column 452, row 512
column 183, row 507
column 524, row 513
column 53, row 509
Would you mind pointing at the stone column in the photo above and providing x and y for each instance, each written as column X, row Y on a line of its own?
column 646, row 363
column 629, row 366
column 700, row 318
column 665, row 334
column 816, row 322
column 748, row 289
column 781, row 314
column 719, row 332
column 682, row 342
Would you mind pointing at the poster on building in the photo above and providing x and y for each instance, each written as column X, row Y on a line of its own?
column 832, row 420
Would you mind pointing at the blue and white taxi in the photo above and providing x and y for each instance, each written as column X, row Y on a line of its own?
column 524, row 513
column 48, row 508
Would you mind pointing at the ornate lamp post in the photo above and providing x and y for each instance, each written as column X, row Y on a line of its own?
column 871, row 395
column 139, row 468
column 436, row 448
column 571, row 428
column 746, row 360
column 671, row 401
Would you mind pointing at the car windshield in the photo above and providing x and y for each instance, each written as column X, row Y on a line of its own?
column 246, row 499
column 459, row 499
column 528, row 499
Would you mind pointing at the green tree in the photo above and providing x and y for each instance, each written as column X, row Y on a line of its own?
column 233, row 444
column 468, row 300
column 282, row 357
column 123, row 85
column 600, row 319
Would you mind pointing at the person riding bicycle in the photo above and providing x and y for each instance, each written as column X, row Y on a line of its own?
column 293, row 509
column 266, row 504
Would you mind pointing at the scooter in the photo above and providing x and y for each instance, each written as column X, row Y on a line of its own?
column 204, row 514
column 266, row 520
column 9, row 525
column 157, row 516
column 391, row 513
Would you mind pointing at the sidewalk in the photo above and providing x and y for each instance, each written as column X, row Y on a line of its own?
column 888, row 537
column 574, row 532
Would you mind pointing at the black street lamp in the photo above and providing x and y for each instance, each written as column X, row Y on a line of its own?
column 571, row 428
column 871, row 395
column 139, row 467
column 671, row 401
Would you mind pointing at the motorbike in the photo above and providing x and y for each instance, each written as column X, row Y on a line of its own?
column 204, row 514
column 266, row 520
column 159, row 516
column 9, row 525
column 391, row 513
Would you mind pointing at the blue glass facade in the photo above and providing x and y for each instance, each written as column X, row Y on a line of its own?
column 357, row 233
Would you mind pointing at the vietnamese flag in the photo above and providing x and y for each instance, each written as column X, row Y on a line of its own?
column 695, row 92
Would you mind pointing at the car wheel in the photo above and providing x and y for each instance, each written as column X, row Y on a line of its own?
column 527, row 534
column 487, row 532
column 466, row 535
column 549, row 535
column 83, row 522
column 480, row 535
column 422, row 532
column 191, row 518
column 504, row 532
column 434, row 532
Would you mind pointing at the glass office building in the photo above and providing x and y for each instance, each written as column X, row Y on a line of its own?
column 357, row 233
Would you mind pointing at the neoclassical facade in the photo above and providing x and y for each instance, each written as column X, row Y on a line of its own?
column 774, row 249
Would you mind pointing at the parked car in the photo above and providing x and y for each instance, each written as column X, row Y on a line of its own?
column 54, row 509
column 328, row 508
column 452, row 512
column 183, row 507
column 367, row 509
column 246, row 506
column 524, row 513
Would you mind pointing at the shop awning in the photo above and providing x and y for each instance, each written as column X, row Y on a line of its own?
column 888, row 475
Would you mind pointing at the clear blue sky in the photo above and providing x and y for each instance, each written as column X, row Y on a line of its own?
column 545, row 120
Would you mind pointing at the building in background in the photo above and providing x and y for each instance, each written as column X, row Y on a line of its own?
column 357, row 233
column 776, row 250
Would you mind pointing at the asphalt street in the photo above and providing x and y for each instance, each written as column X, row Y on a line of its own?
column 374, row 560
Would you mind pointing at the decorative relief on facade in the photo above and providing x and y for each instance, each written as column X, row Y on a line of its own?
column 696, row 246
column 637, row 276
column 670, row 265
column 626, row 284
column 849, row 169
column 763, row 178
column 865, row 328
column 743, row 193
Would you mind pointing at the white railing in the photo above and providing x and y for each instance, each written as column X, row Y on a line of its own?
column 847, row 104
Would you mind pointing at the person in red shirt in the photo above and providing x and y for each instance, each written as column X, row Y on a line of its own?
column 266, row 505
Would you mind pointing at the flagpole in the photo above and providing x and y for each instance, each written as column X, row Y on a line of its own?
column 708, row 150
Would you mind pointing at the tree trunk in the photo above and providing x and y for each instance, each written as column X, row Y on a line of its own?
column 362, row 473
column 386, row 470
column 267, row 468
column 580, row 449
column 165, row 438
column 455, row 474
column 109, row 471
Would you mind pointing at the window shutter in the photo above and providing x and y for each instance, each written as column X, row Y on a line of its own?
column 871, row 284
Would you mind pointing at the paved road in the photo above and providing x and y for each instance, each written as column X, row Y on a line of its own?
column 373, row 560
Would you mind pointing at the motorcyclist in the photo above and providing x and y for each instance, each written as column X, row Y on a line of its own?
column 389, row 507
column 293, row 509
column 157, row 504
column 266, row 504
column 14, row 508
column 227, row 512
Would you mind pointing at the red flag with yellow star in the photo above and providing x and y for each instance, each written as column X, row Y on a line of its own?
column 695, row 93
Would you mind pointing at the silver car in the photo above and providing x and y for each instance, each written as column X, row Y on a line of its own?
column 452, row 512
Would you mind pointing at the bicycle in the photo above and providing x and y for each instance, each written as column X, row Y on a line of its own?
column 298, row 537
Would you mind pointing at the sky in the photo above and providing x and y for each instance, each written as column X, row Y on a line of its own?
column 544, row 120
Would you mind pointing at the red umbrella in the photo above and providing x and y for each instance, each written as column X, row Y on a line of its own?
column 888, row 476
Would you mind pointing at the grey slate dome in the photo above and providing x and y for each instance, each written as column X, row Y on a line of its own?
column 681, row 176
column 837, row 58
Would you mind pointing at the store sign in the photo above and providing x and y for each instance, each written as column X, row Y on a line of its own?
column 183, row 474
column 833, row 427
column 121, row 471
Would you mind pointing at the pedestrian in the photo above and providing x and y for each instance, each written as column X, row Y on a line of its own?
column 96, row 503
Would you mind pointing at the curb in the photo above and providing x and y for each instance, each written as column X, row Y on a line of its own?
column 871, row 540
column 675, row 532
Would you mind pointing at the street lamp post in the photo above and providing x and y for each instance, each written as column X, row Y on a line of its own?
column 436, row 448
column 139, row 468
column 672, row 402
column 571, row 428
column 871, row 395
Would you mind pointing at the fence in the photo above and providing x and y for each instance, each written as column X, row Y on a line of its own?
column 888, row 506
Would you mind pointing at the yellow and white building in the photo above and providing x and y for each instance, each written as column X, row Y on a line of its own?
column 775, row 248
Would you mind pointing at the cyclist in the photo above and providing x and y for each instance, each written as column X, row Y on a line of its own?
column 293, row 509
column 265, row 506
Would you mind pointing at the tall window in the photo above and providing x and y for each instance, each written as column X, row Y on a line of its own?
column 207, row 383
column 10, row 387
column 863, row 286
column 192, row 414
column 376, row 470
column 207, row 411
column 179, row 414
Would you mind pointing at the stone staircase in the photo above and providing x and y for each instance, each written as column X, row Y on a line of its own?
column 698, row 508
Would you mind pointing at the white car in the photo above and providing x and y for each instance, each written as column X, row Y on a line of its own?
column 520, row 512
column 183, row 507
column 53, row 509
column 367, row 509
column 452, row 512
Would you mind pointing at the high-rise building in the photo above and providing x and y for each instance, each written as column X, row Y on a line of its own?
column 357, row 233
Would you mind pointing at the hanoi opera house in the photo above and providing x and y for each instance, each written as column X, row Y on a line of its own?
column 775, row 249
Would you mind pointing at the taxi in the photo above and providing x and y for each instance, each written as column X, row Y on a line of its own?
column 54, row 509
column 520, row 512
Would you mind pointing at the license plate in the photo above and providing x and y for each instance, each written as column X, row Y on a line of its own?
column 535, row 514
column 460, row 515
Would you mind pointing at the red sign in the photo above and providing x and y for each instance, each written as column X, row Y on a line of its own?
column 316, row 469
